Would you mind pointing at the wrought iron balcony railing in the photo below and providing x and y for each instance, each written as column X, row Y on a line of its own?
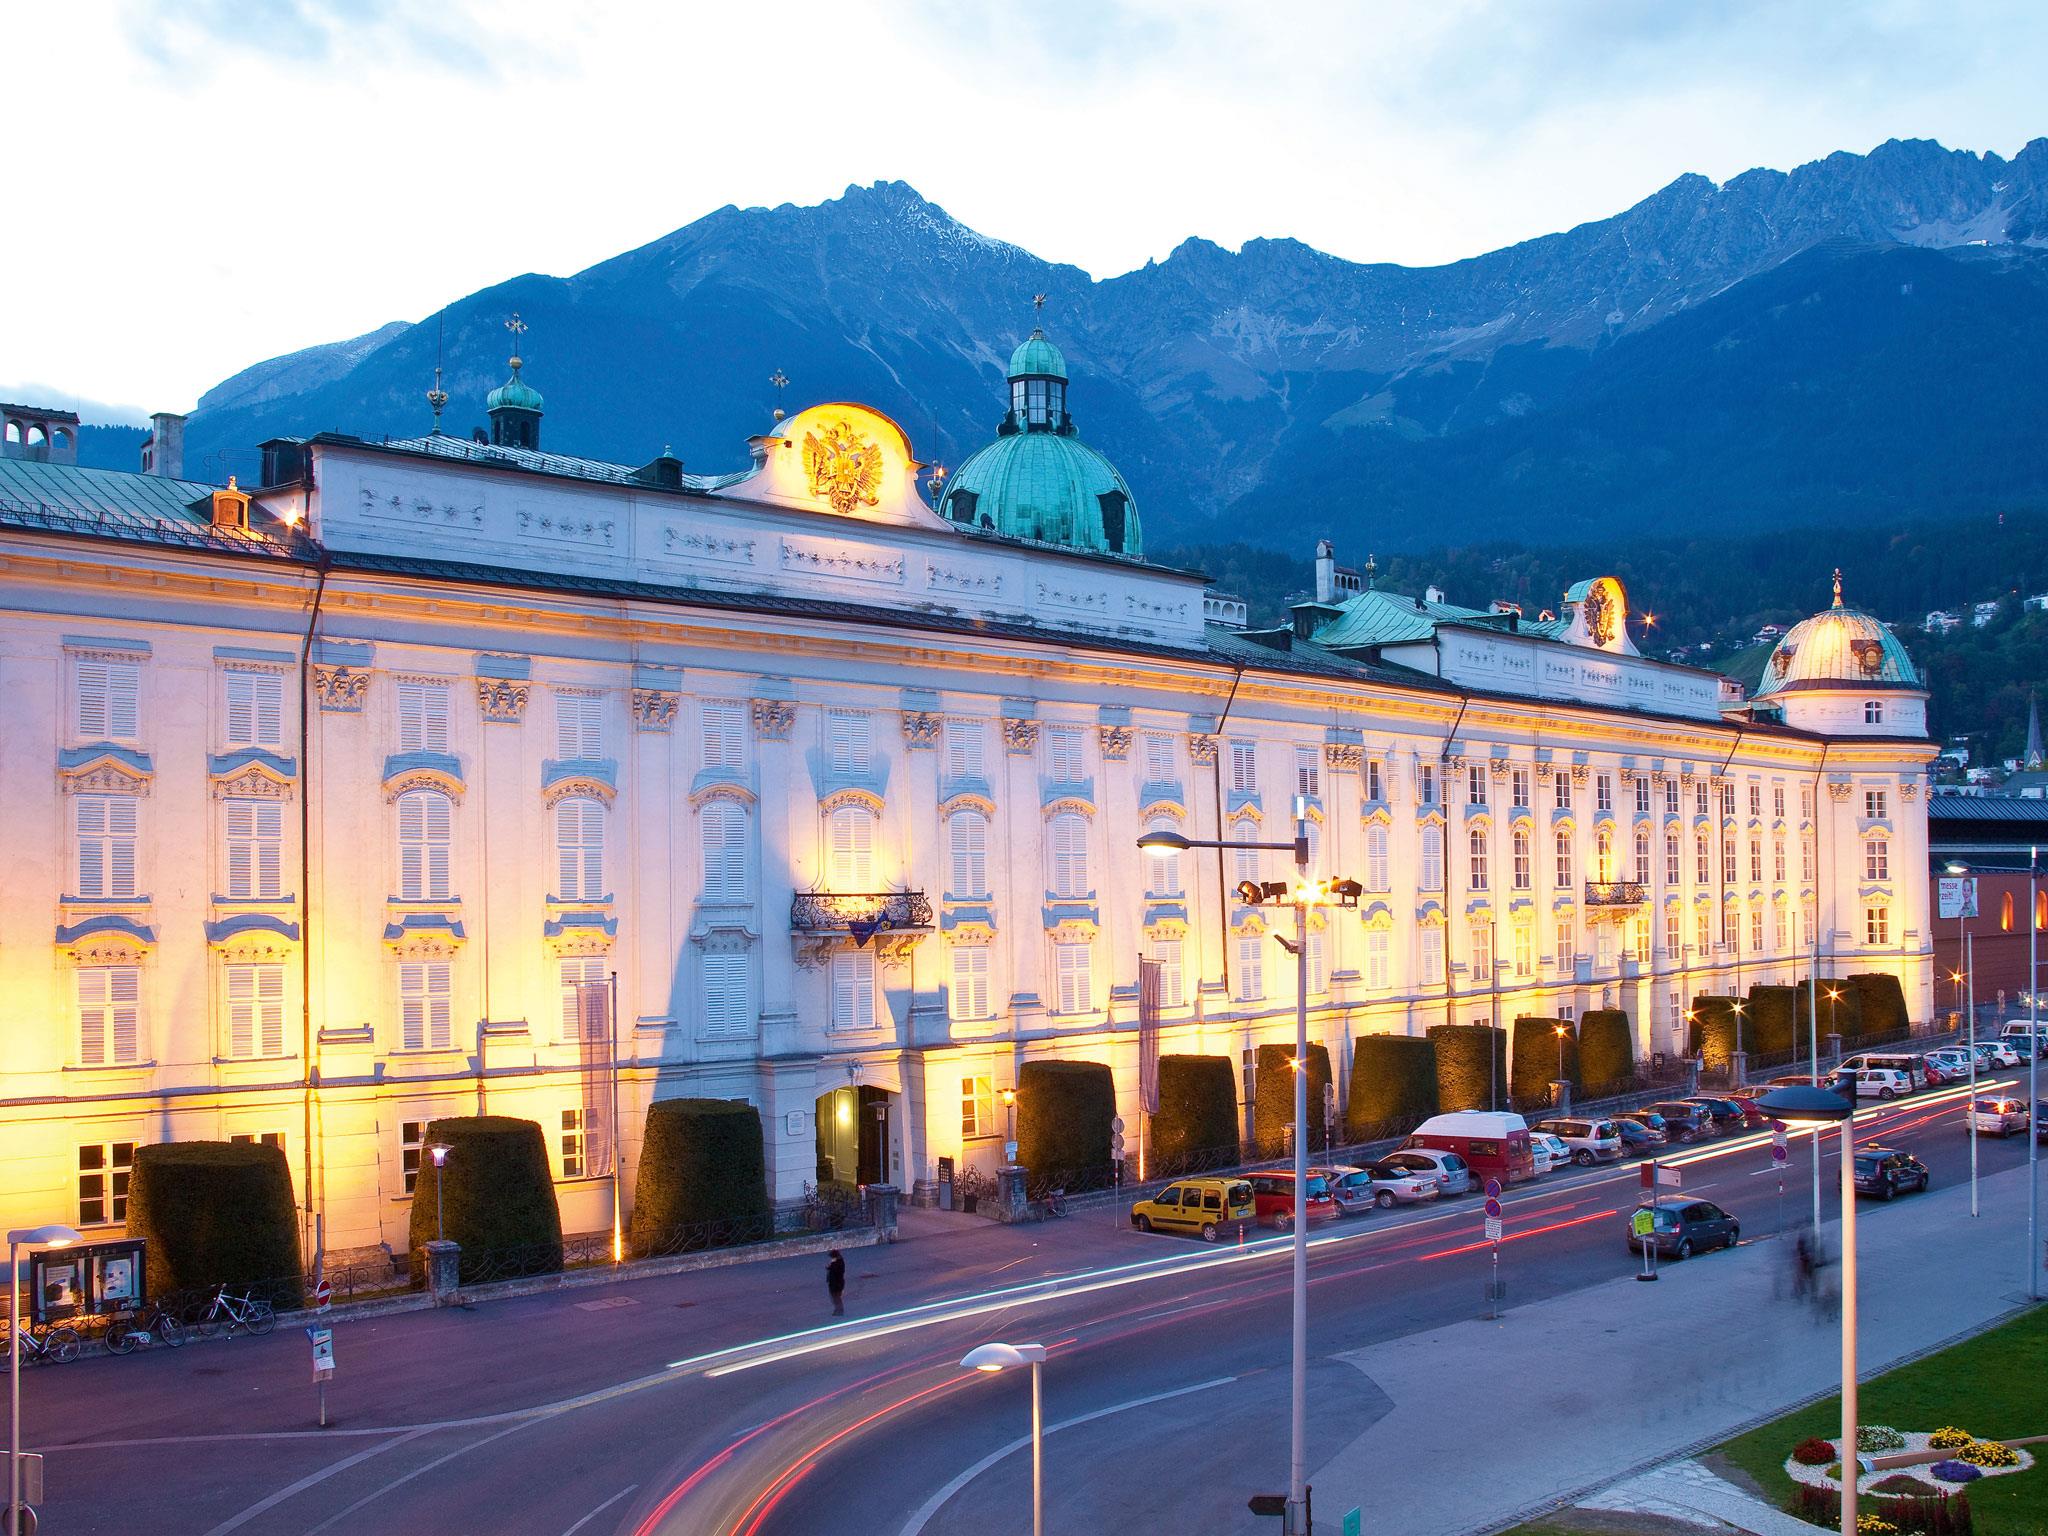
column 1616, row 893
column 860, row 913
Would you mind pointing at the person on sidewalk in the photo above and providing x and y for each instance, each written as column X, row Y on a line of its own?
column 835, row 1282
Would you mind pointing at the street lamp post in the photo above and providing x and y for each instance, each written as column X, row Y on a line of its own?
column 1001, row 1357
column 51, row 1236
column 1303, row 895
column 439, row 1151
column 1563, row 1034
column 1819, row 1107
column 1735, row 1007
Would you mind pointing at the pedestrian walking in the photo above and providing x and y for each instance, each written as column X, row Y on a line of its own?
column 835, row 1282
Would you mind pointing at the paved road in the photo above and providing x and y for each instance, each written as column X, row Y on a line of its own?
column 723, row 1401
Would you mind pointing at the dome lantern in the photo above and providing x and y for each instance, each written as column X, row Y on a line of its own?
column 515, row 405
column 1038, row 384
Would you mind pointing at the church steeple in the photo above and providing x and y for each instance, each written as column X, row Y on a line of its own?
column 2034, row 756
column 515, row 405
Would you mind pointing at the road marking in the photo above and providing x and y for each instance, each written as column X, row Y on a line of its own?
column 292, row 1490
column 399, row 1482
column 938, row 1500
column 607, row 1504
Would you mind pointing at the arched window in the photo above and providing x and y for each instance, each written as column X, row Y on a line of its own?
column 2005, row 912
column 1162, row 875
column 2040, row 910
column 1603, row 856
column 853, row 848
column 1642, row 857
column 1521, row 850
column 1378, row 876
column 579, row 848
column 1067, row 839
column 1478, row 851
column 967, row 855
column 425, row 836
column 722, row 834
column 1563, row 843
column 1431, row 875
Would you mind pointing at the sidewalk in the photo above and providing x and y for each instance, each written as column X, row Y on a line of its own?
column 1493, row 1422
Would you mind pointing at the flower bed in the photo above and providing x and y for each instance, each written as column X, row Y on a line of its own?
column 1970, row 1459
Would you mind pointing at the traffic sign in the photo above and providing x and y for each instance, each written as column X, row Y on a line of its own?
column 31, row 1476
column 1493, row 1229
column 1354, row 1522
column 1644, row 1222
column 1656, row 1175
column 1780, row 1153
column 323, row 1295
column 1267, row 1504
column 1493, row 1189
column 1117, row 1124
column 323, row 1350
column 1493, row 1207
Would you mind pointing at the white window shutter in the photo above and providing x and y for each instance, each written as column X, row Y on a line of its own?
column 270, row 994
column 89, row 717
column 124, row 996
column 725, row 997
column 92, row 1017
column 241, row 692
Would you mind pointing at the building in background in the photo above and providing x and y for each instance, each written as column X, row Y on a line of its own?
column 334, row 798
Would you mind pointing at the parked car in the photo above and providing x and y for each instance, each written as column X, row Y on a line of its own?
column 1998, row 1117
column 1951, row 1061
column 1886, row 1171
column 1686, row 1122
column 1729, row 1115
column 1452, row 1173
column 2017, row 1034
column 1548, row 1151
column 1997, row 1055
column 1636, row 1136
column 1588, row 1141
column 2041, row 1119
column 1681, row 1228
column 1494, row 1145
column 1212, row 1208
column 1882, row 1083
column 1650, row 1120
column 1906, row 1063
column 1753, row 1119
column 1273, row 1197
column 1354, row 1187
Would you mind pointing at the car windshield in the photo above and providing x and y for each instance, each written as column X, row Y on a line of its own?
column 1318, row 1188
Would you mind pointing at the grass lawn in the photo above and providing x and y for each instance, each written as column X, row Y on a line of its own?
column 1995, row 1386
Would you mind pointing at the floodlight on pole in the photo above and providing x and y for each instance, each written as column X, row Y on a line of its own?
column 995, row 1357
column 51, row 1235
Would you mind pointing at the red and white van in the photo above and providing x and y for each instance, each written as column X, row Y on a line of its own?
column 1495, row 1143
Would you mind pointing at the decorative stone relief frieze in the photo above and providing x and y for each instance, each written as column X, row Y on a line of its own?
column 654, row 709
column 1116, row 742
column 773, row 719
column 1581, row 773
column 1020, row 737
column 109, row 776
column 502, row 699
column 417, row 509
column 921, row 729
column 1342, row 756
column 1910, row 790
column 706, row 546
column 554, row 526
column 341, row 688
column 251, row 783
column 1839, row 790
column 841, row 560
column 1500, row 767
column 1201, row 748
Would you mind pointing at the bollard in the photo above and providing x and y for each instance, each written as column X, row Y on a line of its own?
column 444, row 1270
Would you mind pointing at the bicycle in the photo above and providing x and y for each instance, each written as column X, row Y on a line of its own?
column 1056, row 1202
column 232, row 1312
column 57, row 1345
column 128, row 1331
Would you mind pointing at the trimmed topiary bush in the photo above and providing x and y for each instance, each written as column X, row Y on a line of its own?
column 703, row 1177
column 1771, row 1020
column 1712, row 1037
column 1607, row 1048
column 1393, row 1085
column 1462, row 1054
column 1197, row 1117
column 497, row 1198
column 216, row 1212
column 1533, row 1057
column 1847, row 1009
column 1273, row 1098
column 1882, row 1004
column 1063, row 1114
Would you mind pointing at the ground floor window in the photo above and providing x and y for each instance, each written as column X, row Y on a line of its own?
column 574, row 1144
column 412, row 1139
column 1877, row 926
column 977, row 1106
column 103, row 1168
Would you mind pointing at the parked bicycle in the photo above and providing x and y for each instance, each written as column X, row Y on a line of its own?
column 129, row 1331
column 56, row 1345
column 231, row 1313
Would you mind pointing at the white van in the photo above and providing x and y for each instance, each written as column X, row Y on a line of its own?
column 1906, row 1064
column 2015, row 1033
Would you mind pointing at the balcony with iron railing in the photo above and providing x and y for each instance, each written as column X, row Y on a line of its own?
column 1616, row 893
column 859, row 912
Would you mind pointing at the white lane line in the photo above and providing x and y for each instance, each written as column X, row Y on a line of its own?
column 399, row 1482
column 607, row 1504
column 938, row 1500
column 292, row 1490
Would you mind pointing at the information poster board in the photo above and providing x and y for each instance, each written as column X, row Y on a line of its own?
column 98, row 1278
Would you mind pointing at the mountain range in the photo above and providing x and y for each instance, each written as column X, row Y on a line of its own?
column 1862, row 337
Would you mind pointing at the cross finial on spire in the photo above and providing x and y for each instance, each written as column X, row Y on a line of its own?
column 1838, row 586
column 1372, row 569
column 517, row 327
column 1038, row 301
column 781, row 382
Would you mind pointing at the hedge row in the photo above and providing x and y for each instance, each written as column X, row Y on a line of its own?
column 701, row 1161
column 1881, row 1004
column 1774, row 1022
column 1843, row 1016
column 1197, row 1112
column 1463, row 1076
column 1535, row 1055
column 1393, row 1082
column 1607, row 1047
column 1273, row 1097
column 496, row 1195
column 1063, row 1113
column 1713, row 1033
column 213, row 1213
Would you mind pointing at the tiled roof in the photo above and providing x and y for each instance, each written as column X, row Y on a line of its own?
column 106, row 503
column 1374, row 617
column 1986, row 808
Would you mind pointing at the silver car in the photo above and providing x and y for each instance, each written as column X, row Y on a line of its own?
column 1452, row 1173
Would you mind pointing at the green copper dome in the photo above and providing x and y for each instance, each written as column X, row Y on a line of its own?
column 515, row 393
column 1048, row 486
column 1037, row 357
column 1843, row 647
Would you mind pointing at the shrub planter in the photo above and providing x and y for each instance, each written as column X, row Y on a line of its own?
column 214, row 1213
column 1273, row 1102
column 1393, row 1085
column 703, row 1179
column 1197, row 1118
column 1462, row 1052
column 496, row 1198
column 1607, row 1048
column 1063, row 1114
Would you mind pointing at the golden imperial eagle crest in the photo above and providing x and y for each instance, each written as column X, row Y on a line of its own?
column 844, row 467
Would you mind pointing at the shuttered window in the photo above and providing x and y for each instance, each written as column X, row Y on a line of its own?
column 109, row 1015
column 107, row 844
column 255, row 839
column 848, row 748
column 579, row 726
column 423, row 717
column 1163, row 877
column 425, row 837
column 853, row 848
column 1378, row 945
column 579, row 848
column 1318, row 962
column 1244, row 767
column 1429, row 949
column 725, row 736
column 106, row 700
column 423, row 1006
column 722, row 830
column 726, row 1015
column 255, row 1010
column 967, row 854
column 1251, row 967
column 966, row 749
column 1564, row 861
column 1431, row 875
column 578, row 977
column 1063, row 754
column 1075, row 979
column 1067, row 839
column 1173, row 983
column 967, row 998
column 255, row 703
column 853, row 989
column 1160, row 764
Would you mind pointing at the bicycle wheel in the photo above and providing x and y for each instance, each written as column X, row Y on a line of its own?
column 169, row 1329
column 261, row 1318
column 121, row 1338
column 60, row 1346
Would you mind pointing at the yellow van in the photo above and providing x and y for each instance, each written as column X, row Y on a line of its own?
column 1212, row 1207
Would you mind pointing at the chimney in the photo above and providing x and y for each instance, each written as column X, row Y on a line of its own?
column 1326, row 571
column 163, row 451
column 1434, row 594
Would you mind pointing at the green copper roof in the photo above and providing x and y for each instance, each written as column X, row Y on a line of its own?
column 514, row 392
column 1037, row 356
column 1047, row 486
column 1841, row 648
column 1374, row 617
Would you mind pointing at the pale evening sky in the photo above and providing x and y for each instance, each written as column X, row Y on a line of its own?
column 200, row 184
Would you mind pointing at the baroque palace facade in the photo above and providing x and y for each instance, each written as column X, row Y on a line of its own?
column 333, row 802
